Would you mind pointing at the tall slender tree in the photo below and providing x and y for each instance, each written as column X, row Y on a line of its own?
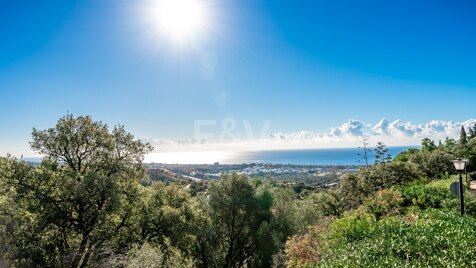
column 365, row 153
column 382, row 157
column 381, row 154
column 463, row 140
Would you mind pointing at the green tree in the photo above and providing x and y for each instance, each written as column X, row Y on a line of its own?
column 236, row 214
column 167, row 216
column 463, row 140
column 440, row 145
column 381, row 154
column 435, row 164
column 450, row 144
column 147, row 255
column 352, row 188
column 382, row 157
column 428, row 145
column 81, row 198
column 331, row 203
column 8, row 211
column 432, row 163
column 405, row 156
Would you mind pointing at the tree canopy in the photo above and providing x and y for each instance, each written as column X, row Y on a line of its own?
column 79, row 199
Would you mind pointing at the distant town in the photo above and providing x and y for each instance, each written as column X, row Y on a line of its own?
column 315, row 176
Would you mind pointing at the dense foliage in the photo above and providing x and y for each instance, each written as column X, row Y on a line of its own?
column 78, row 200
column 433, row 238
column 91, row 203
column 398, row 214
column 412, row 226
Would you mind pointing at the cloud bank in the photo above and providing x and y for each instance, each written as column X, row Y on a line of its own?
column 349, row 134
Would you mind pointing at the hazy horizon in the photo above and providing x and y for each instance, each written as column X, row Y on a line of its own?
column 313, row 156
column 348, row 135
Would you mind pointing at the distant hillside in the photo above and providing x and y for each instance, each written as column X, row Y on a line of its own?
column 167, row 176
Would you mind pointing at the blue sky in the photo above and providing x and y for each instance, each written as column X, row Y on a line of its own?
column 302, row 65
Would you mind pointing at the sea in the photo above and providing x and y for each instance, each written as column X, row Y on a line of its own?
column 335, row 156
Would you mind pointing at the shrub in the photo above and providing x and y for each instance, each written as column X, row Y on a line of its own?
column 425, row 197
column 304, row 250
column 354, row 226
column 149, row 256
column 433, row 238
column 401, row 173
column 145, row 255
column 454, row 204
column 385, row 202
column 435, row 164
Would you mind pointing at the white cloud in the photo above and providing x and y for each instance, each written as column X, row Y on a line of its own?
column 381, row 127
column 349, row 134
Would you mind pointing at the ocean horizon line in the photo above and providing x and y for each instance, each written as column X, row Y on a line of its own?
column 321, row 156
column 305, row 156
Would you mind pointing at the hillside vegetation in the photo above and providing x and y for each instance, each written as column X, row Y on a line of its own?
column 405, row 221
column 410, row 226
column 91, row 203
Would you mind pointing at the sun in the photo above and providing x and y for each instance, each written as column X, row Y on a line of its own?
column 180, row 20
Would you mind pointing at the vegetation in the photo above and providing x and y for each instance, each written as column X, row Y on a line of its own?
column 91, row 203
column 400, row 214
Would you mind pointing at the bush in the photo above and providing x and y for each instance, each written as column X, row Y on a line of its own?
column 385, row 202
column 425, row 197
column 435, row 164
column 378, row 177
column 149, row 256
column 469, row 205
column 353, row 227
column 145, row 255
column 432, row 162
column 303, row 250
column 432, row 238
column 401, row 173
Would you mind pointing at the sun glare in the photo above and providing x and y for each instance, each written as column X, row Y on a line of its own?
column 180, row 20
column 199, row 157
